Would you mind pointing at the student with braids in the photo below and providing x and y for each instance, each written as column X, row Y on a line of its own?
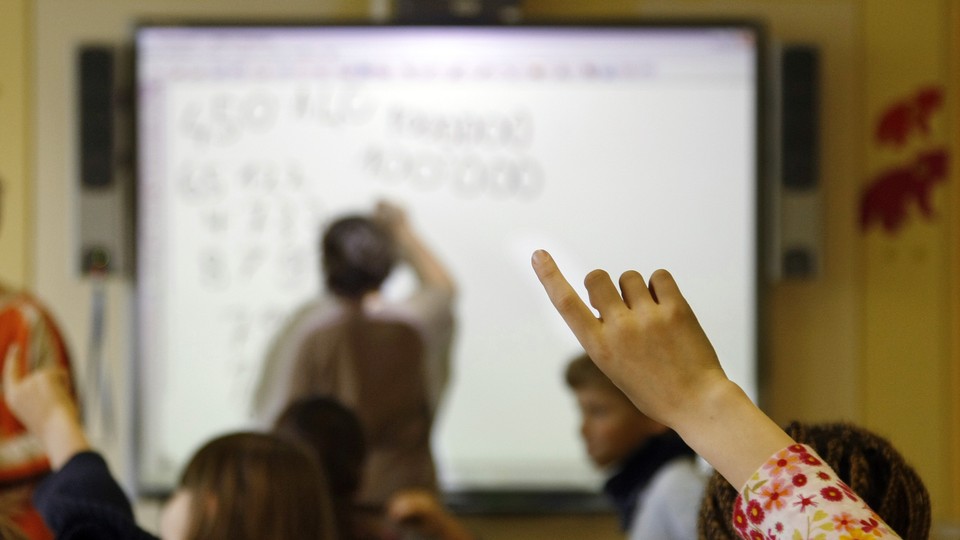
column 863, row 460
column 648, row 341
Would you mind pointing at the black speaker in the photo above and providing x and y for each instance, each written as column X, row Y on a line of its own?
column 104, row 164
column 800, row 105
column 96, row 92
column 797, row 205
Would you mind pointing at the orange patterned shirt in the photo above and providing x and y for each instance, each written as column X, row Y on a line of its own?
column 25, row 322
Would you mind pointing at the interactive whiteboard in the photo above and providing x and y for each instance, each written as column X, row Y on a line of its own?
column 621, row 147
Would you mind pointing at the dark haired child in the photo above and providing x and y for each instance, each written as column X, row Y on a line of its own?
column 333, row 433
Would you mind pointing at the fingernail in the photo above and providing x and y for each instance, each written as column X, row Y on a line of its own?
column 539, row 256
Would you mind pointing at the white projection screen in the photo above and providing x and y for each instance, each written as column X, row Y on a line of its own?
column 619, row 147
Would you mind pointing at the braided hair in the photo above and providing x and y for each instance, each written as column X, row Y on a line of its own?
column 866, row 462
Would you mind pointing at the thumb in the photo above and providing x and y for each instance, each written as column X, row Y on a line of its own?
column 11, row 371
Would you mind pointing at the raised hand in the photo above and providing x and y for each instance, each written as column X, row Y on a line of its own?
column 41, row 400
column 647, row 339
column 650, row 344
column 392, row 217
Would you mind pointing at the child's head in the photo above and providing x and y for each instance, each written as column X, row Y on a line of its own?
column 333, row 432
column 248, row 486
column 358, row 255
column 611, row 426
column 866, row 462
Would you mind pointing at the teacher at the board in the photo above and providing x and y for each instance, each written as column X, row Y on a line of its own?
column 386, row 359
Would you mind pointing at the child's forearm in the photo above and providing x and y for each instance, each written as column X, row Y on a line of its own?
column 730, row 432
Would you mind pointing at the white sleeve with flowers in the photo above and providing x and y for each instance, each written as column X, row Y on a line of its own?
column 796, row 496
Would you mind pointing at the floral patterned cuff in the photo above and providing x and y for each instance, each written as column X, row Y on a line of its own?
column 796, row 495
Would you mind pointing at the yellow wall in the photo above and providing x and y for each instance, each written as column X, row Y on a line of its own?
column 15, row 213
column 907, row 275
column 953, row 74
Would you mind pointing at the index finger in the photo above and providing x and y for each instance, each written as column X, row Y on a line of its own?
column 570, row 306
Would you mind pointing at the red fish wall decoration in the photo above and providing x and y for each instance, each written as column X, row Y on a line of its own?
column 886, row 199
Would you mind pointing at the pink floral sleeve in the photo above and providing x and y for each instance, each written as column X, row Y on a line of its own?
column 796, row 496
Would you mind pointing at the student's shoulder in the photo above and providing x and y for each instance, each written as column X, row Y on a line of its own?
column 671, row 502
column 682, row 476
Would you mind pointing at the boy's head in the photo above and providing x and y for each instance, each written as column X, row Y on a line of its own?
column 611, row 426
column 358, row 255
